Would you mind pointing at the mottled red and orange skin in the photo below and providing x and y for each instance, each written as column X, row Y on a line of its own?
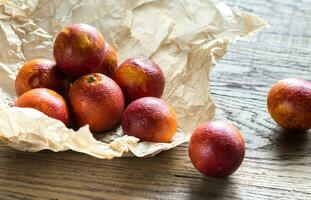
column 289, row 103
column 140, row 78
column 41, row 73
column 98, row 101
column 79, row 49
column 46, row 101
column 109, row 63
column 216, row 149
column 150, row 119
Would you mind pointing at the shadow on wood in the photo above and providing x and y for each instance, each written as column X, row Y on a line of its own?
column 292, row 144
column 207, row 188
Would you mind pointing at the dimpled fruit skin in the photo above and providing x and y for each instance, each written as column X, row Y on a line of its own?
column 78, row 49
column 216, row 149
column 140, row 78
column 150, row 119
column 47, row 101
column 109, row 63
column 96, row 100
column 41, row 73
column 289, row 103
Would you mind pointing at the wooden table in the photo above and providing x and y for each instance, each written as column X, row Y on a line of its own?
column 277, row 165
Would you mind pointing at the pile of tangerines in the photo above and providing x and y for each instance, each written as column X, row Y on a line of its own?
column 85, row 86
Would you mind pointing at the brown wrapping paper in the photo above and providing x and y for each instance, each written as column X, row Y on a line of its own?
column 185, row 38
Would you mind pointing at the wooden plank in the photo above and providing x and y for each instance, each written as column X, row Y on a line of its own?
column 277, row 165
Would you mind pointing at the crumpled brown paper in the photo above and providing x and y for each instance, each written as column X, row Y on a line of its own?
column 184, row 37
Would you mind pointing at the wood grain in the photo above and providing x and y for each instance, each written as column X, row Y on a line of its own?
column 277, row 164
